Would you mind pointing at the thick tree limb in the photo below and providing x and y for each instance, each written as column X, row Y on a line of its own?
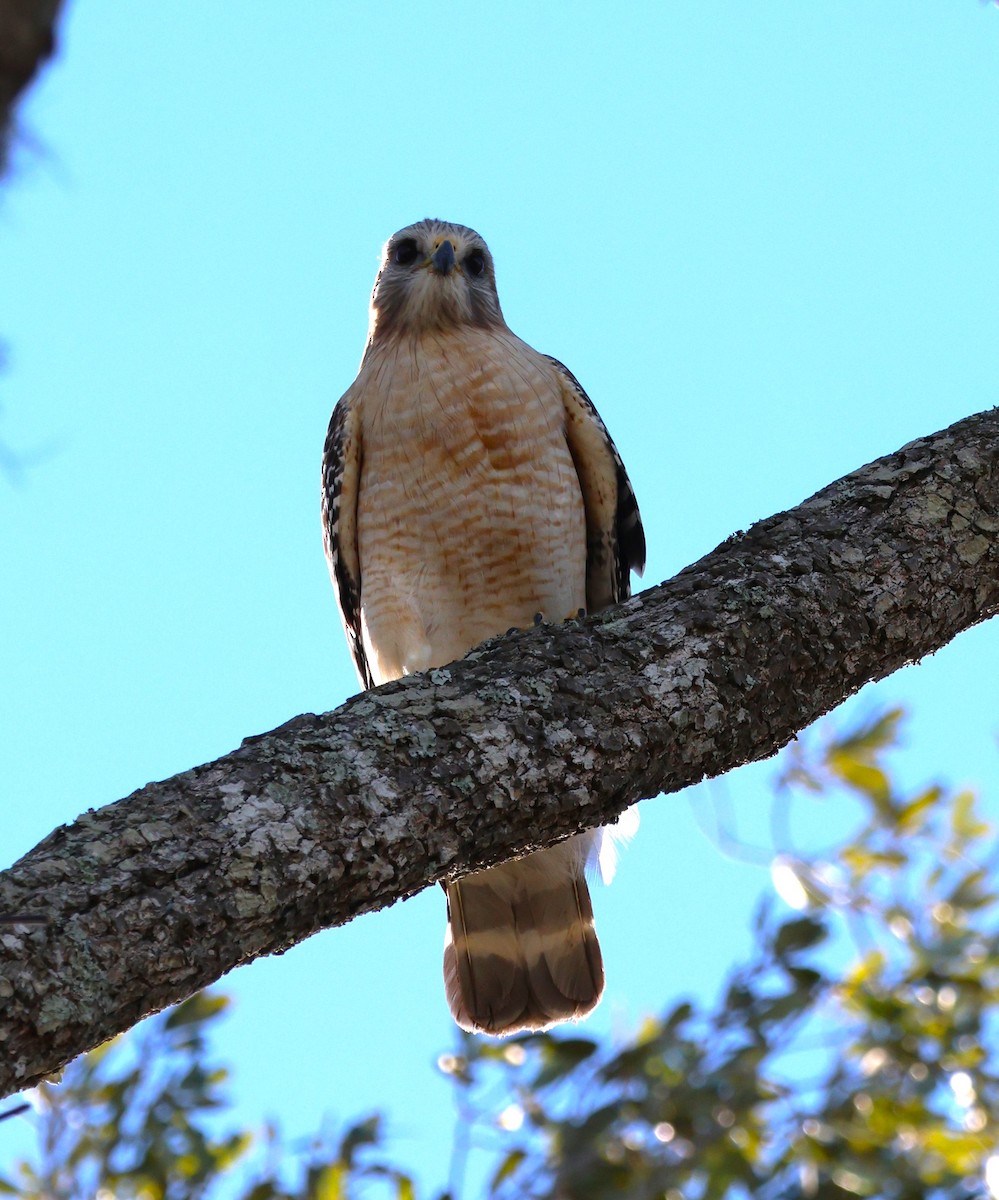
column 528, row 739
column 27, row 39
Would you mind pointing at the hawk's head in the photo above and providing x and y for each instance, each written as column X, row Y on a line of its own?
column 434, row 275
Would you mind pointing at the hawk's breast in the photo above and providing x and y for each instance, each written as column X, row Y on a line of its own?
column 470, row 515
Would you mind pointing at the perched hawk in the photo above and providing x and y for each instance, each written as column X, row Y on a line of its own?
column 468, row 485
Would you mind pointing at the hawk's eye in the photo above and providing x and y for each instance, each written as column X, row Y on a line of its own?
column 475, row 262
column 405, row 253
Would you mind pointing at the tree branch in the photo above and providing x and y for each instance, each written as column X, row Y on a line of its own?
column 27, row 39
column 528, row 739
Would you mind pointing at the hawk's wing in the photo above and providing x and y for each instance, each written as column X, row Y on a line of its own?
column 341, row 478
column 615, row 540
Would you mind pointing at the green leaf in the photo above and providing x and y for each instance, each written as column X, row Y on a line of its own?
column 364, row 1133
column 682, row 1013
column 562, row 1056
column 911, row 817
column 862, row 860
column 964, row 821
column 969, row 893
column 805, row 977
column 506, row 1168
column 331, row 1184
column 869, row 968
column 797, row 935
column 202, row 1006
column 861, row 776
column 232, row 1149
column 865, row 741
column 264, row 1190
column 404, row 1188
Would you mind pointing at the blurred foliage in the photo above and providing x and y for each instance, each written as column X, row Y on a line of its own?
column 854, row 1054
column 133, row 1120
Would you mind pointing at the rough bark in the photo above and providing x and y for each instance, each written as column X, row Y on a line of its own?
column 528, row 739
column 27, row 39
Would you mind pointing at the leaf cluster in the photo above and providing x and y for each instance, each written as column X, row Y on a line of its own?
column 137, row 1119
column 854, row 1054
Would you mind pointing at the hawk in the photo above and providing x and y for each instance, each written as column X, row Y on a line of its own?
column 468, row 486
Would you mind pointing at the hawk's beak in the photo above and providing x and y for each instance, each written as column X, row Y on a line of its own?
column 442, row 259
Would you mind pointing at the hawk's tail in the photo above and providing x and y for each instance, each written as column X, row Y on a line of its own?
column 520, row 951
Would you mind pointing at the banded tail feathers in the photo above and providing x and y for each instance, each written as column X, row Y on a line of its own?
column 521, row 952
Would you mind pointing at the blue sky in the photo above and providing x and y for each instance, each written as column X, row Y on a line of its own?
column 764, row 238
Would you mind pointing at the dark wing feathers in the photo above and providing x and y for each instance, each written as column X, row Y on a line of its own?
column 615, row 540
column 341, row 475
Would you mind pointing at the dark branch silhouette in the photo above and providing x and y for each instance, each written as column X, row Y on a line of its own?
column 27, row 40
